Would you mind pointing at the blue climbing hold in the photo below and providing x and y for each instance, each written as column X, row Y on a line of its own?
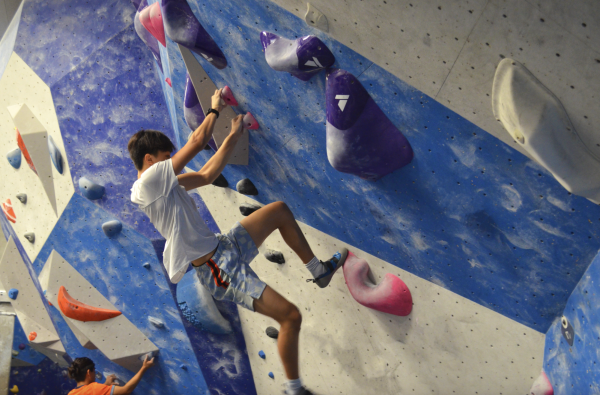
column 146, row 265
column 55, row 155
column 12, row 293
column 112, row 228
column 271, row 375
column 14, row 158
column 302, row 58
column 156, row 322
column 182, row 366
column 90, row 189
column 261, row 354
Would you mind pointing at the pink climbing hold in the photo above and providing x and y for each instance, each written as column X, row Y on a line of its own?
column 151, row 19
column 168, row 81
column 390, row 296
column 227, row 95
column 250, row 122
column 8, row 211
column 542, row 386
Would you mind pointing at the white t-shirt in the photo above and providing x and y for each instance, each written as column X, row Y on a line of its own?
column 174, row 214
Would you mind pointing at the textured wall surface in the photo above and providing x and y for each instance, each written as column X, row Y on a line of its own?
column 469, row 213
column 574, row 370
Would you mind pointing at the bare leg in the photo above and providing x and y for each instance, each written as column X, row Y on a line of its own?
column 288, row 316
column 260, row 224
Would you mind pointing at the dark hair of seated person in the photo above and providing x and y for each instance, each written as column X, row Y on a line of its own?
column 79, row 368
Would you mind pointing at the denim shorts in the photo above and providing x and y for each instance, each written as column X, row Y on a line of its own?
column 227, row 275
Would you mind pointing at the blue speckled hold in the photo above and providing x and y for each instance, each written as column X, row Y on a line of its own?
column 261, row 354
column 55, row 155
column 13, row 293
column 14, row 158
column 182, row 366
column 271, row 375
column 90, row 189
column 112, row 228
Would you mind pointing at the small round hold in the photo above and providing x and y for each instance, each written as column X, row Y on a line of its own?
column 246, row 209
column 21, row 346
column 275, row 256
column 272, row 332
column 246, row 187
column 221, row 182
column 22, row 197
column 271, row 375
column 261, row 354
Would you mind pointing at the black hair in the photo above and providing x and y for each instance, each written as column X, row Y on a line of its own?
column 147, row 141
column 79, row 368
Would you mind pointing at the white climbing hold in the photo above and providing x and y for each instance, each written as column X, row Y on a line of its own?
column 316, row 18
column 537, row 120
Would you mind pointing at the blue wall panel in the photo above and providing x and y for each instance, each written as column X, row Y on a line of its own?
column 469, row 213
column 576, row 370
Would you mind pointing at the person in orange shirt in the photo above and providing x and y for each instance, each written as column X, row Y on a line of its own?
column 83, row 371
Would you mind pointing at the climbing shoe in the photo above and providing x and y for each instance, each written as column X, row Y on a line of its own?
column 331, row 266
column 303, row 391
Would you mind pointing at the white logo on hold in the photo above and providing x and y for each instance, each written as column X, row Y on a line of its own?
column 313, row 63
column 207, row 58
column 343, row 99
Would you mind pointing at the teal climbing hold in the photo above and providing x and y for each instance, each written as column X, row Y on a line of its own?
column 90, row 189
column 55, row 155
column 14, row 158
column 112, row 228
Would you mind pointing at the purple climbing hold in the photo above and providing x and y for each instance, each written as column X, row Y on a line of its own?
column 21, row 346
column 146, row 36
column 192, row 109
column 303, row 57
column 361, row 140
column 14, row 158
column 136, row 3
column 182, row 26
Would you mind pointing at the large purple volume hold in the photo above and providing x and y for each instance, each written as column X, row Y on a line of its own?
column 303, row 58
column 146, row 36
column 192, row 109
column 182, row 26
column 361, row 140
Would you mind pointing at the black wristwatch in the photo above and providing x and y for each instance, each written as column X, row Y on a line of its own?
column 213, row 111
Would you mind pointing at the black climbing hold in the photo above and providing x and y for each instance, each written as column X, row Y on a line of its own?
column 221, row 182
column 275, row 256
column 207, row 147
column 30, row 236
column 22, row 198
column 246, row 187
column 272, row 332
column 246, row 209
column 567, row 330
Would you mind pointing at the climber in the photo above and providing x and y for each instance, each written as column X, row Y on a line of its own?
column 83, row 371
column 221, row 261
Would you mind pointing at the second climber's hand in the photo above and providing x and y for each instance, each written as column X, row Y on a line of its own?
column 216, row 102
column 237, row 126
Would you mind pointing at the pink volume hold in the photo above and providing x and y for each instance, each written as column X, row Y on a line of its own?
column 168, row 81
column 249, row 122
column 227, row 95
column 151, row 19
column 391, row 296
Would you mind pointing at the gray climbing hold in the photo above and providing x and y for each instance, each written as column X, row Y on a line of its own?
column 261, row 354
column 30, row 236
column 221, row 182
column 90, row 189
column 247, row 208
column 150, row 355
column 156, row 322
column 567, row 330
column 146, row 265
column 275, row 256
column 316, row 18
column 22, row 197
column 182, row 366
column 14, row 158
column 55, row 155
column 271, row 375
column 112, row 228
column 272, row 332
column 246, row 187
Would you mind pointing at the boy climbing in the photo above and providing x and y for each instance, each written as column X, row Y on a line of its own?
column 222, row 261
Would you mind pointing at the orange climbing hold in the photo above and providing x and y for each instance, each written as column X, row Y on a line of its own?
column 32, row 336
column 21, row 145
column 8, row 211
column 76, row 310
